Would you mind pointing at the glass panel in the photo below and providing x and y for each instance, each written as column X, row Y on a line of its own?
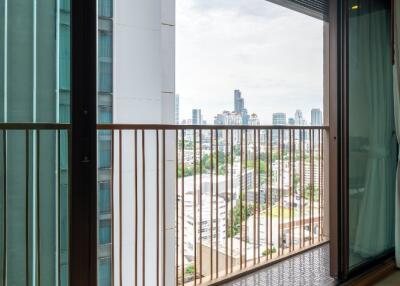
column 104, row 272
column 372, row 141
column 104, row 197
column 105, row 116
column 105, row 231
column 105, row 61
column 105, row 8
column 34, row 88
column 104, row 151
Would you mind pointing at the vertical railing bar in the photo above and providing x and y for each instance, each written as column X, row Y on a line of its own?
column 144, row 208
column 245, row 198
column 231, row 212
column 201, row 203
column 211, row 201
column 270, row 190
column 282, row 190
column 311, row 134
column 120, row 203
column 319, row 185
column 176, row 207
column 69, row 180
column 136, row 204
column 241, row 198
column 267, row 155
column 216, row 204
column 183, row 206
column 226, row 199
column 290, row 192
column 194, row 203
column 293, row 183
column 301, row 151
column 301, row 227
column 259, row 191
column 27, row 206
column 322, row 183
column 112, row 207
column 158, row 207
column 164, row 213
column 279, row 192
column 38, row 204
column 255, row 208
column 5, row 207
column 303, row 188
column 58, row 132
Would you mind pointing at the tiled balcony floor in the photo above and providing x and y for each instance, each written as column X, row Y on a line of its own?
column 309, row 268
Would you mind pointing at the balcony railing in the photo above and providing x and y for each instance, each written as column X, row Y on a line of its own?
column 34, row 203
column 198, row 204
column 189, row 205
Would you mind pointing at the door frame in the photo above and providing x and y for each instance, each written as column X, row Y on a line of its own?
column 339, row 151
column 83, row 196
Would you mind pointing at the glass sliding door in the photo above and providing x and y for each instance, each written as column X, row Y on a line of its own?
column 371, row 132
column 34, row 89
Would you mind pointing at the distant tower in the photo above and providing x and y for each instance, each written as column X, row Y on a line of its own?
column 316, row 117
column 279, row 118
column 238, row 101
column 177, row 109
column 196, row 117
column 298, row 117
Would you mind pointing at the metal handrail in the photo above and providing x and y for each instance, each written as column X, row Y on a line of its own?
column 204, row 127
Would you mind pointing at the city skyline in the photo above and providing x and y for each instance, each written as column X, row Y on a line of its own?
column 240, row 115
column 230, row 54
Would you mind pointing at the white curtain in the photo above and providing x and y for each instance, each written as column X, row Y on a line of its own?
column 374, row 231
column 396, row 93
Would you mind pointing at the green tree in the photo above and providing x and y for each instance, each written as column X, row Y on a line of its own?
column 234, row 227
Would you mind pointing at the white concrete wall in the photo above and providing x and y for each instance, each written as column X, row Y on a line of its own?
column 144, row 88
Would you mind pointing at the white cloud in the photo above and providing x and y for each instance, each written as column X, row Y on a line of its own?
column 272, row 54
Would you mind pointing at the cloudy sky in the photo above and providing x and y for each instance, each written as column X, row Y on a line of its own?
column 272, row 54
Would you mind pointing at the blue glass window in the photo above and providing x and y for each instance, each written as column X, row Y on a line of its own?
column 105, row 61
column 104, row 278
column 104, row 197
column 105, row 114
column 65, row 5
column 105, row 8
column 65, row 57
column 104, row 151
column 105, row 231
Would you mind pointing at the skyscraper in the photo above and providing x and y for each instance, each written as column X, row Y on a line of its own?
column 238, row 101
column 279, row 118
column 196, row 117
column 298, row 118
column 316, row 117
column 245, row 116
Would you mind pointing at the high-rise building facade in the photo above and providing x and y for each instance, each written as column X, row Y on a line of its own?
column 298, row 118
column 135, row 41
column 104, row 116
column 279, row 118
column 238, row 101
column 316, row 117
column 196, row 117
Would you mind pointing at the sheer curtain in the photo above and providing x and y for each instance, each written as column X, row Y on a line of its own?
column 374, row 231
column 396, row 93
